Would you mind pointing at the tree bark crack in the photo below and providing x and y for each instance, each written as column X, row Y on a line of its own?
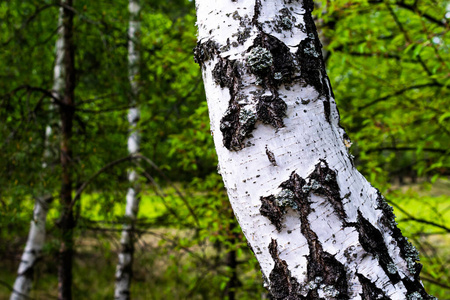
column 325, row 274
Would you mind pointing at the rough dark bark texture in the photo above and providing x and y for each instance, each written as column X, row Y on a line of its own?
column 272, row 63
column 282, row 285
column 232, row 263
column 372, row 241
column 273, row 211
column 407, row 250
column 322, row 181
column 312, row 65
column 239, row 120
column 370, row 290
column 67, row 222
column 323, row 271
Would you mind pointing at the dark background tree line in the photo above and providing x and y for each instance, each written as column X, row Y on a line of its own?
column 388, row 63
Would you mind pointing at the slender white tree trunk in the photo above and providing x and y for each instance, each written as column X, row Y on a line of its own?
column 36, row 236
column 32, row 251
column 125, row 263
column 317, row 227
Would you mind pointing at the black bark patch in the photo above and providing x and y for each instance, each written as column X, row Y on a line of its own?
column 271, row 110
column 272, row 211
column 407, row 250
column 416, row 288
column 226, row 73
column 243, row 35
column 238, row 122
column 327, row 110
column 372, row 241
column 309, row 56
column 323, row 182
column 282, row 285
column 370, row 290
column 236, row 125
column 282, row 67
column 256, row 13
column 311, row 64
column 271, row 157
column 270, row 60
column 324, row 271
column 204, row 51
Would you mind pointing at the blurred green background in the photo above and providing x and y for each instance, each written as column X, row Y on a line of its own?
column 388, row 62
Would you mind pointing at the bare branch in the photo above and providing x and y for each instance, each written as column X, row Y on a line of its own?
column 423, row 221
column 411, row 218
column 151, row 163
column 9, row 287
column 90, row 179
column 399, row 92
column 443, row 151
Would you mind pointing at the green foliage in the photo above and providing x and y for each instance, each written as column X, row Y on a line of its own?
column 423, row 214
column 388, row 64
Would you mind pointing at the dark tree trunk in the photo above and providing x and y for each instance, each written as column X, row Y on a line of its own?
column 232, row 264
column 67, row 109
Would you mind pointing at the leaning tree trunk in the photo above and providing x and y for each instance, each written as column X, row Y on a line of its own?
column 125, row 264
column 66, row 223
column 33, row 250
column 317, row 227
column 36, row 237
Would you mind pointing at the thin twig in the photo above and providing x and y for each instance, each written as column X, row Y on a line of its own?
column 442, row 151
column 419, row 220
column 89, row 180
column 9, row 287
column 399, row 92
column 161, row 194
column 151, row 163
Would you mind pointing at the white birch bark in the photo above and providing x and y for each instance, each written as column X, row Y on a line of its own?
column 36, row 237
column 125, row 259
column 32, row 251
column 317, row 227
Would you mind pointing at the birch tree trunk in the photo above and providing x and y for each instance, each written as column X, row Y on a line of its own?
column 36, row 236
column 125, row 264
column 66, row 223
column 32, row 252
column 317, row 227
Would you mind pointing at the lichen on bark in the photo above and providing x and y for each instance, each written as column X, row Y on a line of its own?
column 325, row 274
column 322, row 181
column 240, row 119
column 407, row 250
